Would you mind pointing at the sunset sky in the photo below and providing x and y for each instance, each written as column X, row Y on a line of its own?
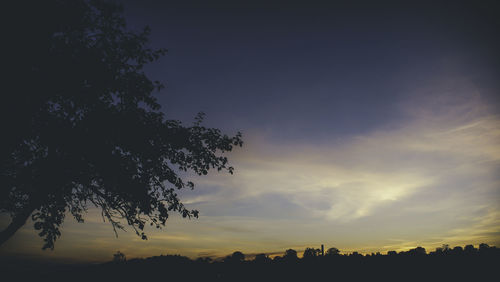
column 366, row 127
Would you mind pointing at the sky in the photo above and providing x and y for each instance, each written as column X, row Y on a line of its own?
column 367, row 127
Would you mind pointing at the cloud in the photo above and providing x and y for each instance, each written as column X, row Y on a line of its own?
column 428, row 179
column 437, row 167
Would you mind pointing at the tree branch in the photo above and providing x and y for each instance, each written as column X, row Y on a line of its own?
column 17, row 222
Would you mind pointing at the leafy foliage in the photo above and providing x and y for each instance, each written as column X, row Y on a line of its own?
column 85, row 129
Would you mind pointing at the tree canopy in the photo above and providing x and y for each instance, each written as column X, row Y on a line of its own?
column 332, row 252
column 310, row 253
column 290, row 254
column 83, row 128
column 237, row 256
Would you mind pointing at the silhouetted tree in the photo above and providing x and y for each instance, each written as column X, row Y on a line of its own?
column 277, row 258
column 457, row 250
column 238, row 256
column 310, row 253
column 290, row 255
column 483, row 247
column 83, row 128
column 235, row 257
column 262, row 258
column 356, row 254
column 204, row 260
column 119, row 257
column 446, row 248
column 419, row 251
column 332, row 252
column 469, row 249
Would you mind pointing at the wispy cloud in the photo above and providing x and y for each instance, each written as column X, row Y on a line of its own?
column 429, row 179
column 436, row 169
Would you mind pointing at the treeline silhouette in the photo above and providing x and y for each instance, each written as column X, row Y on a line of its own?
column 444, row 264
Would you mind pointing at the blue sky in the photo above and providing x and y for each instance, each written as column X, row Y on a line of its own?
column 368, row 127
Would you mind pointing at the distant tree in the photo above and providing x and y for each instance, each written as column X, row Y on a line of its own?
column 457, row 250
column 119, row 257
column 446, row 248
column 238, row 256
column 235, row 257
column 483, row 247
column 392, row 253
column 82, row 127
column 310, row 253
column 204, row 259
column 469, row 249
column 418, row 251
column 262, row 258
column 277, row 258
column 439, row 250
column 290, row 254
column 356, row 254
column 332, row 252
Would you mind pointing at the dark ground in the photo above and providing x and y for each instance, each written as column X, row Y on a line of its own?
column 479, row 265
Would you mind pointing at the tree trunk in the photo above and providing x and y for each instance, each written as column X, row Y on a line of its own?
column 17, row 222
